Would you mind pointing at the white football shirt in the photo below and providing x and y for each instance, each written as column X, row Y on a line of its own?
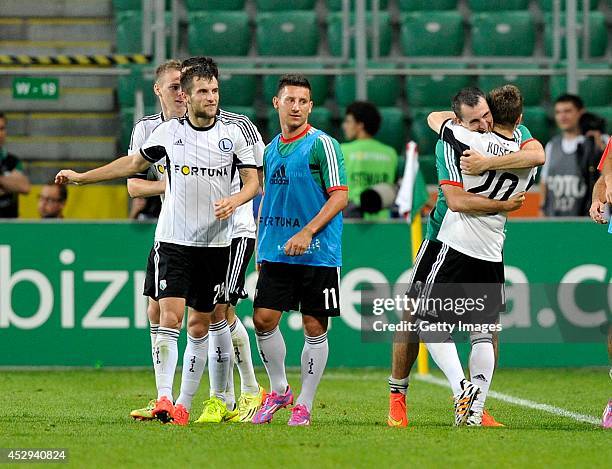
column 201, row 165
column 482, row 236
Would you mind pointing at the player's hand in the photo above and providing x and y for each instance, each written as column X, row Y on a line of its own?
column 224, row 208
column 596, row 211
column 298, row 243
column 473, row 162
column 515, row 202
column 67, row 176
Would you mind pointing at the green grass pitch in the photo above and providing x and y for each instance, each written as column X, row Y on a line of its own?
column 87, row 413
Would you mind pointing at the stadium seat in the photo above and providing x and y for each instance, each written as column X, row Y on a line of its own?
column 392, row 128
column 129, row 32
column 497, row 5
column 318, row 83
column 435, row 90
column 336, row 5
column 237, row 90
column 547, row 5
column 597, row 30
column 128, row 84
column 539, row 124
column 320, row 118
column 606, row 113
column 382, row 89
column 281, row 5
column 334, row 34
column 245, row 110
column 532, row 87
column 213, row 5
column 219, row 33
column 422, row 5
column 507, row 33
column 421, row 133
column 287, row 33
column 432, row 33
column 427, row 166
column 594, row 90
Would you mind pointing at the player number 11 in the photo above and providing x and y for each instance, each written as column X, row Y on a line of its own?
column 330, row 292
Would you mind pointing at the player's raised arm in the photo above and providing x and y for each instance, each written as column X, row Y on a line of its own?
column 436, row 119
column 119, row 168
column 530, row 155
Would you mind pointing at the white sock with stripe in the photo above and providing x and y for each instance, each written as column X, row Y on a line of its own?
column 153, row 331
column 314, row 359
column 219, row 350
column 166, row 356
column 482, row 365
column 242, row 357
column 272, row 350
column 446, row 357
column 194, row 362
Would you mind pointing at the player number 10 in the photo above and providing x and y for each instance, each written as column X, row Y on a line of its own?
column 330, row 292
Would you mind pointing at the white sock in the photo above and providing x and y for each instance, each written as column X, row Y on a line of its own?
column 314, row 359
column 446, row 357
column 166, row 356
column 219, row 351
column 230, row 396
column 482, row 365
column 272, row 350
column 194, row 362
column 242, row 357
column 153, row 331
column 398, row 385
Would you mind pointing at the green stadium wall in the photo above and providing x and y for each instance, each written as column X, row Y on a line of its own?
column 70, row 293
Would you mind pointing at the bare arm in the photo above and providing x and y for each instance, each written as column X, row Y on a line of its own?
column 606, row 172
column 459, row 200
column 436, row 119
column 598, row 202
column 119, row 168
column 15, row 182
column 250, row 186
column 143, row 188
column 299, row 243
column 531, row 155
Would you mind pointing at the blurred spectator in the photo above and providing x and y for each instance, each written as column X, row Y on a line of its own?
column 12, row 179
column 369, row 164
column 52, row 200
column 570, row 171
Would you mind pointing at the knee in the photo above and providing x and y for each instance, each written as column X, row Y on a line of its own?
column 197, row 324
column 264, row 321
column 153, row 311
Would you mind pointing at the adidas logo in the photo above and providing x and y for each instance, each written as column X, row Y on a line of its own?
column 179, row 142
column 279, row 176
column 481, row 377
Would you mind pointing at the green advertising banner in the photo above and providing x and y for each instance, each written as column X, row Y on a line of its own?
column 70, row 294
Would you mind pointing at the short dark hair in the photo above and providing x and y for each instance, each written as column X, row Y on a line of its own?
column 506, row 104
column 195, row 60
column 469, row 96
column 367, row 114
column 206, row 69
column 571, row 98
column 2, row 115
column 293, row 80
column 63, row 191
column 167, row 66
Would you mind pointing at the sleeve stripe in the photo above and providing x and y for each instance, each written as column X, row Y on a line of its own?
column 605, row 155
column 451, row 183
column 332, row 161
column 337, row 188
column 526, row 142
column 449, row 154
